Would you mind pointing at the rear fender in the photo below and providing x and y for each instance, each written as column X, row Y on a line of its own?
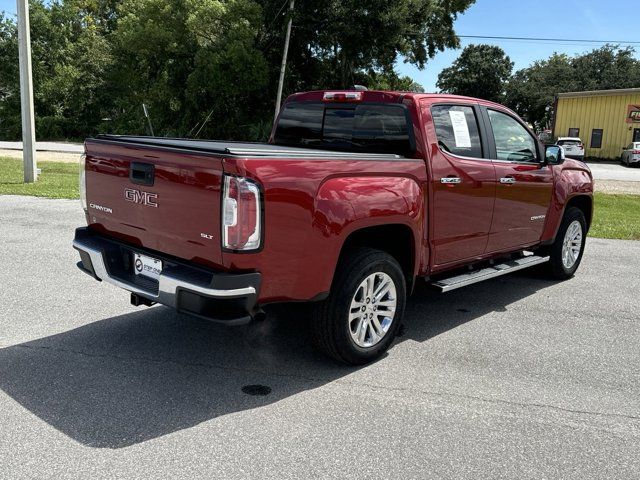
column 345, row 205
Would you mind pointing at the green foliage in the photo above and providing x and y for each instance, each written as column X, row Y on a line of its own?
column 390, row 80
column 206, row 68
column 480, row 71
column 337, row 41
column 531, row 91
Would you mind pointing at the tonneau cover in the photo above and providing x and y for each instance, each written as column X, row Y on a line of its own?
column 243, row 149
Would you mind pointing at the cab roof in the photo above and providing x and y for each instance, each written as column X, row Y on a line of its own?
column 387, row 96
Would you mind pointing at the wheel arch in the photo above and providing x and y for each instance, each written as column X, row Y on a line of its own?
column 396, row 239
column 583, row 203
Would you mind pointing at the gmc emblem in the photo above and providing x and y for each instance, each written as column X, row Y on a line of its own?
column 143, row 198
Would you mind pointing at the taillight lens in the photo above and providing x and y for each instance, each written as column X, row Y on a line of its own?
column 636, row 152
column 82, row 183
column 580, row 146
column 241, row 214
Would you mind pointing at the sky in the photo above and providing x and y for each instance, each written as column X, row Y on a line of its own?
column 566, row 19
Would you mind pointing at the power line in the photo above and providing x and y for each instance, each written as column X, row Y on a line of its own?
column 536, row 39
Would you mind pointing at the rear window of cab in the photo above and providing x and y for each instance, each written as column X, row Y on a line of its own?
column 372, row 128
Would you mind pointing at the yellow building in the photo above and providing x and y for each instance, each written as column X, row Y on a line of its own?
column 605, row 120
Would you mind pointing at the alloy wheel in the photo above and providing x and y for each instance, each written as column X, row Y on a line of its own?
column 372, row 309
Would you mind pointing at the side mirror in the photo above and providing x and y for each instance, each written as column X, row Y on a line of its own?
column 554, row 154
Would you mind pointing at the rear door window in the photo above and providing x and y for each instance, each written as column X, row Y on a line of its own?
column 457, row 130
column 360, row 128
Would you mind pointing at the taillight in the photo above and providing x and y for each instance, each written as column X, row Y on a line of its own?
column 636, row 152
column 580, row 146
column 342, row 96
column 82, row 183
column 241, row 214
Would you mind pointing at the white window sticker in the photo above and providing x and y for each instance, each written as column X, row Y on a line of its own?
column 460, row 129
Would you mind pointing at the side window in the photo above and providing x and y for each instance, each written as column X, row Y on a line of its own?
column 457, row 130
column 513, row 141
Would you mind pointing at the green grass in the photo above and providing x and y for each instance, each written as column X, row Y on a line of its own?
column 616, row 216
column 57, row 180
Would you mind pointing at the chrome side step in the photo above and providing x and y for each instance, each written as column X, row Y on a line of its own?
column 462, row 280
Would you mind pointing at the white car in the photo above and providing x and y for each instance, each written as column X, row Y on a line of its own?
column 631, row 154
column 573, row 147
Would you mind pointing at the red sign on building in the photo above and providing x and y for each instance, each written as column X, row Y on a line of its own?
column 633, row 114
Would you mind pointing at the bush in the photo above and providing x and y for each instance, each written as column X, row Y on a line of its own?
column 10, row 127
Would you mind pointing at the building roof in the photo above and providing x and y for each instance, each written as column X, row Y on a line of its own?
column 600, row 93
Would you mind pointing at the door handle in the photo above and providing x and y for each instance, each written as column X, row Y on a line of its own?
column 450, row 180
column 508, row 180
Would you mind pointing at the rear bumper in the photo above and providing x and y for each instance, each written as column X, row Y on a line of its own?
column 216, row 296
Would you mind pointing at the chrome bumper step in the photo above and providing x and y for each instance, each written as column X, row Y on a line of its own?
column 468, row 278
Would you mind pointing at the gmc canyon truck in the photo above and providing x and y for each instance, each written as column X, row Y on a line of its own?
column 356, row 197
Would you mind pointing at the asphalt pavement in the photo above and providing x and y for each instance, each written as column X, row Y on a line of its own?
column 614, row 171
column 517, row 377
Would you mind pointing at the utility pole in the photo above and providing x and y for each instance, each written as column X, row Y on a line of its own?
column 26, row 94
column 284, row 58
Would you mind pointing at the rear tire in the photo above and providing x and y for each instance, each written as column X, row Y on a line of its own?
column 359, row 320
column 566, row 251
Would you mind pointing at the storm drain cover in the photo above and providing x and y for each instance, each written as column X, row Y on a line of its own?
column 256, row 390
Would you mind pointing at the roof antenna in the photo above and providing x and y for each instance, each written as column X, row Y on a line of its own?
column 146, row 114
column 361, row 88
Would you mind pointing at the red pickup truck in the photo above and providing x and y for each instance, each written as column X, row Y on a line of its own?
column 357, row 195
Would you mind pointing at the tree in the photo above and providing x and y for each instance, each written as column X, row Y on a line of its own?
column 206, row 67
column 338, row 43
column 480, row 71
column 9, row 83
column 390, row 80
column 532, row 91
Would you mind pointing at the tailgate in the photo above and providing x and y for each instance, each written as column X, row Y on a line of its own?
column 166, row 200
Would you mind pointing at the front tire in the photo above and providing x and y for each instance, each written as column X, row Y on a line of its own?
column 359, row 320
column 567, row 249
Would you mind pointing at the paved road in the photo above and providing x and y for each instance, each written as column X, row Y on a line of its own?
column 518, row 377
column 614, row 171
column 62, row 147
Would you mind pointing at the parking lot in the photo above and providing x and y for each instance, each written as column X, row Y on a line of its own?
column 614, row 171
column 518, row 377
